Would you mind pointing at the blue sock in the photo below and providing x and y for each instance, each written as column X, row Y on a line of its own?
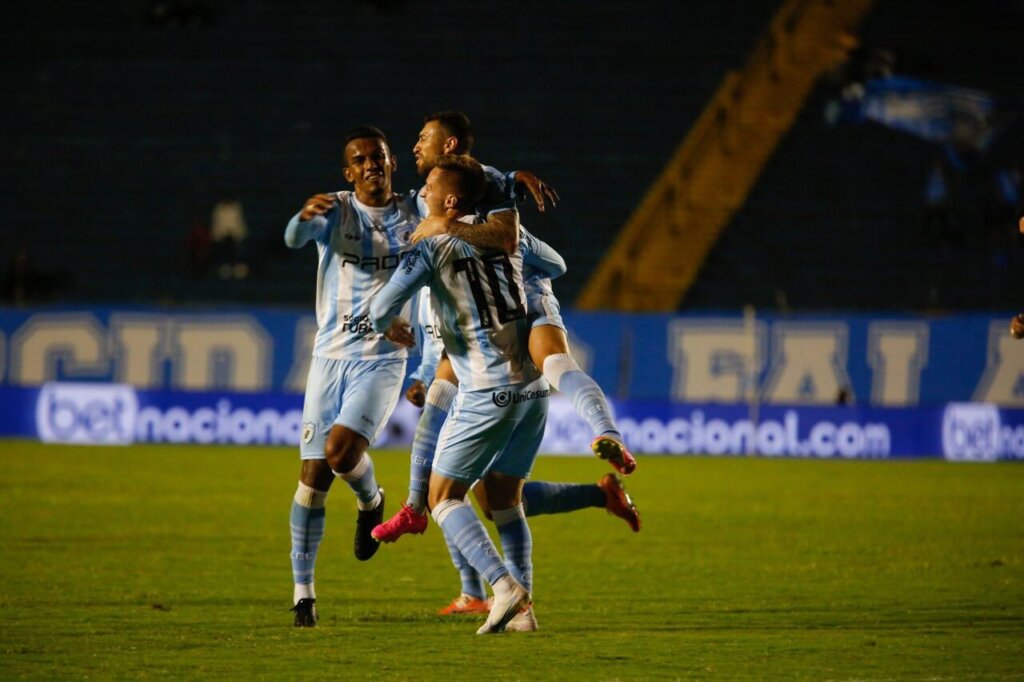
column 308, row 519
column 362, row 481
column 587, row 397
column 435, row 411
column 462, row 528
column 542, row 497
column 472, row 584
column 516, row 543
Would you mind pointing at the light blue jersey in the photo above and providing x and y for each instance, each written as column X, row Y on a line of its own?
column 359, row 248
column 480, row 306
column 541, row 264
column 429, row 340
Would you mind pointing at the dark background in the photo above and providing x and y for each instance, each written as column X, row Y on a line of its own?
column 124, row 122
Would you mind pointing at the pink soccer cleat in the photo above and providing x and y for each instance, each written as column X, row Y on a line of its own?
column 407, row 520
column 618, row 501
column 614, row 451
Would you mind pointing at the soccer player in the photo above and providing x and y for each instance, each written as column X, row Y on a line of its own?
column 450, row 132
column 539, row 497
column 501, row 405
column 356, row 374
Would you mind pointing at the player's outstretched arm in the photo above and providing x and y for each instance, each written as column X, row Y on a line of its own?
column 412, row 274
column 310, row 222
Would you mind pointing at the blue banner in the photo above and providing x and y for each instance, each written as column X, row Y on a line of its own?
column 861, row 360
column 114, row 414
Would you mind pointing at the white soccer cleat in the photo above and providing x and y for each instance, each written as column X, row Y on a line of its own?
column 524, row 621
column 509, row 599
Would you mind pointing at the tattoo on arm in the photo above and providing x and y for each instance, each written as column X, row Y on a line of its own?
column 500, row 232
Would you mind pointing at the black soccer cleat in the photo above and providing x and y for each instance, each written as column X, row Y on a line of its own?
column 305, row 613
column 366, row 545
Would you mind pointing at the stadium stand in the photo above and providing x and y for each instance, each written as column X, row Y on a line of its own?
column 124, row 129
column 835, row 221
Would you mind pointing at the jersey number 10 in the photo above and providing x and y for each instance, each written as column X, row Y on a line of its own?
column 506, row 313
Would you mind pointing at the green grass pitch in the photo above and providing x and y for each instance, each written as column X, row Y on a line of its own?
column 172, row 562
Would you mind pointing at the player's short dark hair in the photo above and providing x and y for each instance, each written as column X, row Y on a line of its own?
column 457, row 125
column 361, row 132
column 470, row 180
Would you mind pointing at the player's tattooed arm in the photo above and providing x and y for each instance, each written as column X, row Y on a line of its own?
column 499, row 233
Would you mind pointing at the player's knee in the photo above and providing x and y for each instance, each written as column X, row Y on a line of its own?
column 343, row 453
column 316, row 473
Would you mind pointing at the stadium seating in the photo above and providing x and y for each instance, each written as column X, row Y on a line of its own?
column 124, row 132
column 141, row 128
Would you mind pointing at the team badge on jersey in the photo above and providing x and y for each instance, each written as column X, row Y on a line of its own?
column 308, row 430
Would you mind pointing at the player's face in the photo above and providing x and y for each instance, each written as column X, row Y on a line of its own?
column 437, row 192
column 432, row 143
column 368, row 166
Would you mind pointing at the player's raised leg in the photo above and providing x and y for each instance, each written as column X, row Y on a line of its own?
column 371, row 392
column 346, row 453
column 549, row 349
column 546, row 497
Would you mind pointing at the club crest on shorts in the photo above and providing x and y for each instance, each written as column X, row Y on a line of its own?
column 308, row 430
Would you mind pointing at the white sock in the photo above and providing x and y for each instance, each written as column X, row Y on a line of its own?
column 303, row 592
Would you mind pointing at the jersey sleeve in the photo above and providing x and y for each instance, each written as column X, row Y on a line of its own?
column 499, row 192
column 299, row 232
column 413, row 273
column 539, row 257
column 431, row 358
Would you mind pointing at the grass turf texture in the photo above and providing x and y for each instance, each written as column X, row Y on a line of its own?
column 172, row 562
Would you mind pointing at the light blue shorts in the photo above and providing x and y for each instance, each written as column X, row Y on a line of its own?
column 542, row 308
column 358, row 394
column 494, row 430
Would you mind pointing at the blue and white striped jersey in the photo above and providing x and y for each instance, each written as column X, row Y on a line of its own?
column 359, row 248
column 428, row 335
column 541, row 264
column 479, row 303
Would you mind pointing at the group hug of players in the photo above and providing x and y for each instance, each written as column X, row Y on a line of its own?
column 448, row 265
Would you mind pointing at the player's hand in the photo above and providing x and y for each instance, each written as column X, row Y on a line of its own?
column 400, row 333
column 417, row 393
column 430, row 227
column 318, row 204
column 539, row 190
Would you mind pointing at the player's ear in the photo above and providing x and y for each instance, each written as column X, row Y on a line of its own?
column 450, row 201
column 348, row 175
column 451, row 144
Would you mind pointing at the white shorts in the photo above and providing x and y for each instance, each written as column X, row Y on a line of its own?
column 358, row 394
column 493, row 430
